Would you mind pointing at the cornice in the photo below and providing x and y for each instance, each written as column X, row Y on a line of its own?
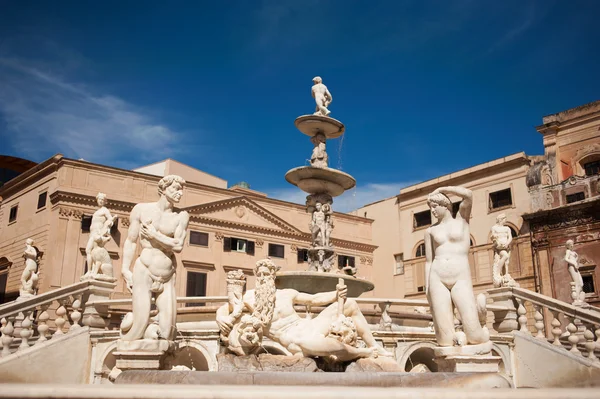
column 30, row 176
column 565, row 216
column 572, row 113
column 65, row 197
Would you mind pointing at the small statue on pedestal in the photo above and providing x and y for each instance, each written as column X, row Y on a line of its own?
column 322, row 96
column 319, row 157
column 98, row 259
column 501, row 242
column 572, row 259
column 162, row 233
column 29, row 277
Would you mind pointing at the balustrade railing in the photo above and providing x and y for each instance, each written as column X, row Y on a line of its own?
column 581, row 329
column 28, row 319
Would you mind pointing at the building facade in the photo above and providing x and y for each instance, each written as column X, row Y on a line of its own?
column 230, row 228
column 564, row 187
column 400, row 222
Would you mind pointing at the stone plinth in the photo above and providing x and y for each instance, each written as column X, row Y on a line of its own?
column 97, row 316
column 466, row 359
column 320, row 180
column 143, row 354
column 505, row 320
column 316, row 282
column 266, row 362
column 311, row 125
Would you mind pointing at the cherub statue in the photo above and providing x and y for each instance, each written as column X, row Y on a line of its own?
column 318, row 225
column 322, row 96
column 572, row 259
column 29, row 277
column 319, row 156
column 501, row 241
column 98, row 258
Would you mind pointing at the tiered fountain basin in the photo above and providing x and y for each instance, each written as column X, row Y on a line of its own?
column 317, row 282
column 311, row 125
column 320, row 180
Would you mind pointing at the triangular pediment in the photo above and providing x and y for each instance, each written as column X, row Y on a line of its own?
column 240, row 212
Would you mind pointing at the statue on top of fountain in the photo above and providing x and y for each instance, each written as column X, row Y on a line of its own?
column 322, row 97
column 333, row 333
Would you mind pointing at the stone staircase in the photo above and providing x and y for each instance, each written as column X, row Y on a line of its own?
column 69, row 335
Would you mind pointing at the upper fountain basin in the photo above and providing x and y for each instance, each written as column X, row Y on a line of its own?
column 311, row 125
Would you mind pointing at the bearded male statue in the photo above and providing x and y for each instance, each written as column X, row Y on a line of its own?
column 272, row 314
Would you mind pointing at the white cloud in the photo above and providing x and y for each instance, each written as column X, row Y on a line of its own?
column 350, row 200
column 44, row 114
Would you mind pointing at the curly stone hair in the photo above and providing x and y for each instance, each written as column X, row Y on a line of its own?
column 167, row 181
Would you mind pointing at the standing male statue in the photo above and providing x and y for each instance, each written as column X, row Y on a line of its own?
column 318, row 226
column 272, row 314
column 447, row 272
column 322, row 96
column 501, row 241
column 572, row 259
column 29, row 277
column 98, row 259
column 162, row 233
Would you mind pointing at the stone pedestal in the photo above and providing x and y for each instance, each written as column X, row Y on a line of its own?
column 97, row 316
column 504, row 320
column 467, row 359
column 143, row 354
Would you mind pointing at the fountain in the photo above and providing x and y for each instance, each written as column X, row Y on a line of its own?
column 322, row 183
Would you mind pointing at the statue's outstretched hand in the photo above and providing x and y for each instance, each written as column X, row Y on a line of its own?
column 342, row 291
column 225, row 324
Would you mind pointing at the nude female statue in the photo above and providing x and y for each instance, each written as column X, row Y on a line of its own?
column 162, row 234
column 447, row 272
column 572, row 259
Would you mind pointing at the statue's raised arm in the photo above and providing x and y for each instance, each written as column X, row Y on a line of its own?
column 464, row 209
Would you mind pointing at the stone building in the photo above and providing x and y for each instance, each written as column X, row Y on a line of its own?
column 564, row 186
column 400, row 222
column 230, row 228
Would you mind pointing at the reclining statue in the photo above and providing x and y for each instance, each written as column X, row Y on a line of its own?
column 333, row 333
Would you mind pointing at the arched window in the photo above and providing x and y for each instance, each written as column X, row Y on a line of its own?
column 513, row 232
column 420, row 250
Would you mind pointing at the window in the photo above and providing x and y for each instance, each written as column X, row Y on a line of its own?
column 42, row 200
column 422, row 219
column 592, row 168
column 399, row 264
column 196, row 286
column 588, row 284
column 198, row 238
column 420, row 250
column 344, row 261
column 13, row 214
column 500, row 199
column 513, row 232
column 86, row 222
column 580, row 196
column 302, row 255
column 238, row 245
column 3, row 278
column 276, row 250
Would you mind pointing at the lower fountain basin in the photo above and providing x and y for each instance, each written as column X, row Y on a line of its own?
column 320, row 180
column 316, row 282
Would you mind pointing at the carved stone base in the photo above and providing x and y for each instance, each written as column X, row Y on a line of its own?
column 508, row 281
column 466, row 359
column 143, row 354
column 97, row 316
column 321, row 259
column 266, row 362
column 98, row 277
column 468, row 364
column 505, row 320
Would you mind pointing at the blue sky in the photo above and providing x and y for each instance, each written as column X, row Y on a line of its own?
column 424, row 88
